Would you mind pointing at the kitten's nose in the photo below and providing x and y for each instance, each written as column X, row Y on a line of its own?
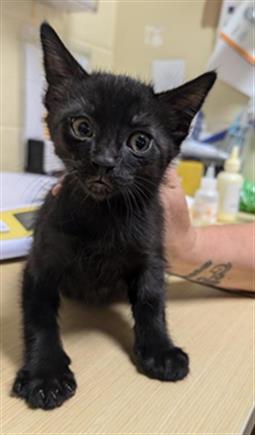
column 103, row 161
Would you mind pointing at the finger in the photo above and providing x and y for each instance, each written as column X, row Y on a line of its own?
column 173, row 180
column 56, row 189
column 172, row 194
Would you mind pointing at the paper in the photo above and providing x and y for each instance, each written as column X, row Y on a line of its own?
column 233, row 66
column 153, row 35
column 239, row 31
column 21, row 190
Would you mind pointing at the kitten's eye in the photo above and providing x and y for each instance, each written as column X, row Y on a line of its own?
column 139, row 142
column 82, row 128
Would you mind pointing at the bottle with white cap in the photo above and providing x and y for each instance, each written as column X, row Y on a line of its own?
column 229, row 187
column 205, row 205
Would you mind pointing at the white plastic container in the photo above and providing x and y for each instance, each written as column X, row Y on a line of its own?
column 229, row 187
column 205, row 207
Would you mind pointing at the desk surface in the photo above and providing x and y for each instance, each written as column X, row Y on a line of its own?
column 217, row 330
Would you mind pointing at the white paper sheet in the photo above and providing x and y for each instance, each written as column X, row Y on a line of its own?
column 231, row 66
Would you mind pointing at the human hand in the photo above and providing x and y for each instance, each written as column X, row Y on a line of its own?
column 57, row 187
column 180, row 236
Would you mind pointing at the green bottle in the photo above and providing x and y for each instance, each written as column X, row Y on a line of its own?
column 247, row 201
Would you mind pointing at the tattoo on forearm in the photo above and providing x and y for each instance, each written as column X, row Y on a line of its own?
column 210, row 275
column 199, row 270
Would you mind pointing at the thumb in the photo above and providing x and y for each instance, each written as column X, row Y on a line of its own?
column 174, row 201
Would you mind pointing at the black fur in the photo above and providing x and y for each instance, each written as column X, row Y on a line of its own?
column 104, row 231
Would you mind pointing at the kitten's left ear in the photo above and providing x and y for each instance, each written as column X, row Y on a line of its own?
column 185, row 101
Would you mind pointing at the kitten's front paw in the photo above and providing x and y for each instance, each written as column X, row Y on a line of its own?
column 46, row 392
column 171, row 364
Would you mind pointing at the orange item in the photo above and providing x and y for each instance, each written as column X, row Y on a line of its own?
column 247, row 56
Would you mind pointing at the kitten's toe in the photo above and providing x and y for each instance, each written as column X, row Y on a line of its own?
column 48, row 392
column 170, row 364
column 20, row 385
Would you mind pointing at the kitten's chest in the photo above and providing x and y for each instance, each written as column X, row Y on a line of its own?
column 106, row 257
column 101, row 266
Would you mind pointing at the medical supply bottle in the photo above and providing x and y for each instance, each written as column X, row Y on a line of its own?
column 205, row 205
column 229, row 184
column 247, row 203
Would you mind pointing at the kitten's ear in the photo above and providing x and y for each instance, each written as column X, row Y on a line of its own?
column 185, row 101
column 59, row 64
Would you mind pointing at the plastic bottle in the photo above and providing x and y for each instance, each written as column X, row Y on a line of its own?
column 229, row 187
column 247, row 203
column 205, row 205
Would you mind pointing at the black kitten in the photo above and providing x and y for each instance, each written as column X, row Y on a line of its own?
column 104, row 231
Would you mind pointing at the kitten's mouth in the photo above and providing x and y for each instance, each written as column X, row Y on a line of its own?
column 99, row 186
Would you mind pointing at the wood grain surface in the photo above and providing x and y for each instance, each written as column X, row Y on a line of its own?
column 215, row 328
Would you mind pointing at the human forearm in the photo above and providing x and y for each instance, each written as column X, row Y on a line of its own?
column 213, row 257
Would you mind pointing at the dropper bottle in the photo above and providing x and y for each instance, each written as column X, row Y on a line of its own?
column 229, row 187
column 205, row 205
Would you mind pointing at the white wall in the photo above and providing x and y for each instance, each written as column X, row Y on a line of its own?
column 88, row 33
column 113, row 38
column 184, row 38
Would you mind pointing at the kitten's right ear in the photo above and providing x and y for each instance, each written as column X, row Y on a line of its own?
column 59, row 64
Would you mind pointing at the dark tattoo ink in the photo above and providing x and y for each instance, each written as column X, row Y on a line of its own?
column 199, row 270
column 214, row 275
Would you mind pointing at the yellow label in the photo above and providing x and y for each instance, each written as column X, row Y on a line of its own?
column 12, row 219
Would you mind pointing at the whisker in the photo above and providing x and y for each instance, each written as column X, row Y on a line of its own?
column 142, row 191
column 133, row 198
column 146, row 180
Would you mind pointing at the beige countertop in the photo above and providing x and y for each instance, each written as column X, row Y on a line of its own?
column 215, row 328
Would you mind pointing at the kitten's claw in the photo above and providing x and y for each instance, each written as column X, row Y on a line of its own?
column 46, row 393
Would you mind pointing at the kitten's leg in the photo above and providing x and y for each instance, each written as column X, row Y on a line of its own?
column 45, row 381
column 156, row 354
